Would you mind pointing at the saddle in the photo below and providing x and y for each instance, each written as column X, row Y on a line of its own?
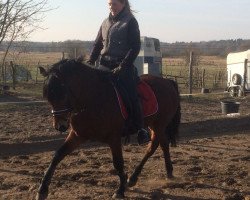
column 146, row 95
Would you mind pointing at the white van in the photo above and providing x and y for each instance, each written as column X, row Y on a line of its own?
column 238, row 71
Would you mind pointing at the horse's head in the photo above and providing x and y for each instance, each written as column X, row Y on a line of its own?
column 56, row 92
column 64, row 85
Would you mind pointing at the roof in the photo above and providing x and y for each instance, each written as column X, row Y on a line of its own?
column 238, row 57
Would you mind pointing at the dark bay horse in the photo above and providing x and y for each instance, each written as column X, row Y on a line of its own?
column 84, row 100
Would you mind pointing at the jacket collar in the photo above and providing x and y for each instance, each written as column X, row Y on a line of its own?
column 119, row 16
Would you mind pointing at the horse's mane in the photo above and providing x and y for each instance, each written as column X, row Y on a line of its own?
column 69, row 67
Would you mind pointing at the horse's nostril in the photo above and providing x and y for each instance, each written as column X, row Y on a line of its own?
column 62, row 128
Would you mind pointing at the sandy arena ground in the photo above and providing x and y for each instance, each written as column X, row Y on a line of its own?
column 212, row 160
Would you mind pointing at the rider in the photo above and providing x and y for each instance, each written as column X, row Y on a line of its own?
column 118, row 43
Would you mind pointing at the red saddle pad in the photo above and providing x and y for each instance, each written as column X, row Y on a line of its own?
column 147, row 97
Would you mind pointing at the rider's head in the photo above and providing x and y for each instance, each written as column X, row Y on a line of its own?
column 116, row 6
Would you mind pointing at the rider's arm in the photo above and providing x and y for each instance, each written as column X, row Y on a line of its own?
column 134, row 41
column 98, row 46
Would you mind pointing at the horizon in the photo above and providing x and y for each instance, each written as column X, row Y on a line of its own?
column 169, row 21
column 141, row 36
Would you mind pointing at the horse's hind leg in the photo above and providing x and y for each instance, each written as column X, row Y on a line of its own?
column 150, row 151
column 69, row 145
column 118, row 162
column 164, row 143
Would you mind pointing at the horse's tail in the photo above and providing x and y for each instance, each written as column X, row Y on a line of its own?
column 172, row 130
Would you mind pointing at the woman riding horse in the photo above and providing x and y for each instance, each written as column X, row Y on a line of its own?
column 118, row 42
column 83, row 101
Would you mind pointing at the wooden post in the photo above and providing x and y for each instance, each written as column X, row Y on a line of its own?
column 215, row 80
column 4, row 73
column 38, row 64
column 27, row 72
column 245, row 77
column 203, row 78
column 191, row 73
column 63, row 56
column 75, row 53
column 13, row 75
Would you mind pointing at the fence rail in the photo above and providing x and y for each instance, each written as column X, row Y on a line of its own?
column 209, row 74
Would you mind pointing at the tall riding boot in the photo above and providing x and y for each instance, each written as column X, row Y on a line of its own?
column 143, row 136
column 128, row 77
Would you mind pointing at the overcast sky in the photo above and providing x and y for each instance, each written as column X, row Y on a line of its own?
column 168, row 20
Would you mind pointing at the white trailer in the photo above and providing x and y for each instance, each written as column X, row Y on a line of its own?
column 238, row 71
column 149, row 60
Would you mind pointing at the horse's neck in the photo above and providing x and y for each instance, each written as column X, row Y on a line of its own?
column 92, row 79
column 91, row 86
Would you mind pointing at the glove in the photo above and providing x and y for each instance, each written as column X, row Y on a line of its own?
column 90, row 62
column 117, row 70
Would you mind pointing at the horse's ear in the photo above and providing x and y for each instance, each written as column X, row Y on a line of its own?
column 43, row 71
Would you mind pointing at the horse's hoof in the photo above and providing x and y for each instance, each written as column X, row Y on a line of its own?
column 118, row 196
column 40, row 196
column 131, row 183
column 170, row 176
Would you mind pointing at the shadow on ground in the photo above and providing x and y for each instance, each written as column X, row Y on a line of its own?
column 209, row 128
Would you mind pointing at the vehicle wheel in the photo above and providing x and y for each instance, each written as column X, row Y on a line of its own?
column 236, row 79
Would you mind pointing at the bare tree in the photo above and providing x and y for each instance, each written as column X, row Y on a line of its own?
column 18, row 19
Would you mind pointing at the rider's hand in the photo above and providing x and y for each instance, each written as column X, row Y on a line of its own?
column 117, row 70
column 90, row 62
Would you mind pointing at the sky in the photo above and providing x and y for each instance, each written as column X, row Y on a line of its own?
column 168, row 20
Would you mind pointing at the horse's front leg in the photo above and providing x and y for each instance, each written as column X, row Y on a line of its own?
column 152, row 146
column 118, row 162
column 69, row 145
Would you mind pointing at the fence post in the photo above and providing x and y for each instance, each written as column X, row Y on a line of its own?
column 75, row 53
column 38, row 64
column 203, row 78
column 27, row 72
column 191, row 73
column 215, row 80
column 2, row 73
column 13, row 75
column 4, row 77
column 63, row 56
column 245, row 76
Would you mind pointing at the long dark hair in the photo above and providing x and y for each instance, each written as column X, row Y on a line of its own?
column 127, row 5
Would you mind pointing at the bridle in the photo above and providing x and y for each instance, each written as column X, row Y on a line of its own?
column 68, row 109
column 60, row 112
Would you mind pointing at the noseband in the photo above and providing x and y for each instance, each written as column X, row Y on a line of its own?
column 60, row 112
column 68, row 109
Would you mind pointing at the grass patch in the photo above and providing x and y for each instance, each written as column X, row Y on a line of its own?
column 21, row 107
column 29, row 89
column 214, row 69
column 25, row 90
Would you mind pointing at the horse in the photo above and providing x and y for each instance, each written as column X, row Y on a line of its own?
column 84, row 101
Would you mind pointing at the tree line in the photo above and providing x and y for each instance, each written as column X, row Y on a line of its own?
column 206, row 48
column 209, row 48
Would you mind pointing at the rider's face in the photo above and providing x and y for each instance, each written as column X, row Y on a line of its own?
column 115, row 7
